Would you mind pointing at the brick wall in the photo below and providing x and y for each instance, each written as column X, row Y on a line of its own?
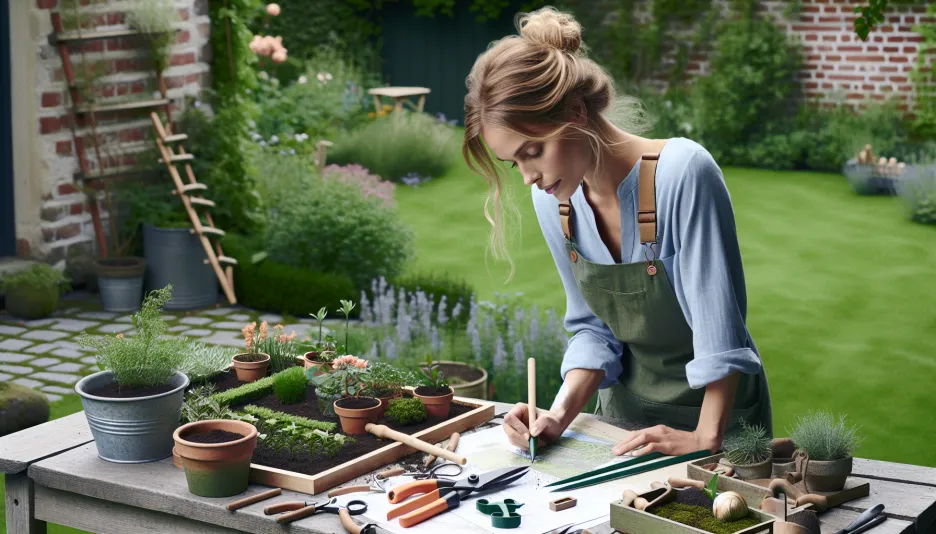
column 65, row 221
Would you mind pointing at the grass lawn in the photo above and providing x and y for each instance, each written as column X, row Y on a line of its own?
column 840, row 292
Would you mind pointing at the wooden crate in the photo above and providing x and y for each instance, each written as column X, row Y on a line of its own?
column 633, row 521
column 393, row 451
column 755, row 490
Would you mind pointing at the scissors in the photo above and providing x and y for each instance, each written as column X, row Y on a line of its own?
column 452, row 470
column 440, row 495
column 300, row 509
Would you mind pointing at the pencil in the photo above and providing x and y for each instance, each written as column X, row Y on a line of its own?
column 531, row 391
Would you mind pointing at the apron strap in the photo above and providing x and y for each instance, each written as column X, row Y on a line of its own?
column 646, row 193
column 565, row 211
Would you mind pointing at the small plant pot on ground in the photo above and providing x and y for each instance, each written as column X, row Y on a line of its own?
column 250, row 367
column 355, row 412
column 131, row 425
column 754, row 471
column 32, row 302
column 318, row 367
column 436, row 401
column 176, row 256
column 465, row 380
column 216, row 456
column 121, row 283
column 827, row 475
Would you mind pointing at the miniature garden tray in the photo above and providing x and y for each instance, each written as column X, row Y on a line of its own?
column 630, row 520
column 314, row 474
column 755, row 490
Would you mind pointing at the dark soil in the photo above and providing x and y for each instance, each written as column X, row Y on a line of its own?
column 250, row 358
column 213, row 436
column 429, row 391
column 693, row 496
column 113, row 391
column 357, row 403
column 312, row 464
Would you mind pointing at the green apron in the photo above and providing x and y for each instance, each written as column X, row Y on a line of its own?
column 639, row 305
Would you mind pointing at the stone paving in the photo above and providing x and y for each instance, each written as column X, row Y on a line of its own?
column 43, row 354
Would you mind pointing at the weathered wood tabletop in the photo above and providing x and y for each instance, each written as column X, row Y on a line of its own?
column 53, row 474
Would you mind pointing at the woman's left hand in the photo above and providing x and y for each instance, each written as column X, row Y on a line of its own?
column 664, row 440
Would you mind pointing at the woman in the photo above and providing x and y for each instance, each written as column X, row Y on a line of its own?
column 642, row 232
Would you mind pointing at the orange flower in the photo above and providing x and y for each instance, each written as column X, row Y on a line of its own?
column 348, row 360
column 263, row 330
column 248, row 332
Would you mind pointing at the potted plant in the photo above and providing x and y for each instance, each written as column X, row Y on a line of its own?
column 251, row 366
column 216, row 455
column 327, row 391
column 354, row 410
column 385, row 383
column 466, row 380
column 434, row 392
column 323, row 351
column 749, row 452
column 828, row 446
column 33, row 292
column 133, row 404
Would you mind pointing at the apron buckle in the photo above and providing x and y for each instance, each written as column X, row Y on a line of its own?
column 651, row 268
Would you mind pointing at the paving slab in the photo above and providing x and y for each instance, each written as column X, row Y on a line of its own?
column 13, row 357
column 5, row 377
column 99, row 315
column 197, row 332
column 227, row 339
column 16, row 369
column 196, row 321
column 8, row 330
column 68, row 367
column 239, row 317
column 67, row 353
column 229, row 325
column 63, row 378
column 28, row 382
column 217, row 312
column 74, row 325
column 43, row 347
column 115, row 328
column 58, row 389
column 44, row 362
column 44, row 335
column 14, row 344
column 53, row 397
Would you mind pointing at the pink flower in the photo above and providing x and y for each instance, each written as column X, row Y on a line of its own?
column 273, row 10
column 279, row 56
column 343, row 362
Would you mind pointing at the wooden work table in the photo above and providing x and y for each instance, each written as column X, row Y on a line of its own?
column 53, row 474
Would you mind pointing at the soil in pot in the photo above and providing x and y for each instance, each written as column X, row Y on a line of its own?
column 355, row 412
column 429, row 391
column 113, row 391
column 693, row 507
column 251, row 367
column 357, row 403
column 311, row 464
column 213, row 436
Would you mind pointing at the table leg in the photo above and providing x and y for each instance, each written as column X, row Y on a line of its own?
column 399, row 104
column 20, row 514
column 376, row 104
column 422, row 102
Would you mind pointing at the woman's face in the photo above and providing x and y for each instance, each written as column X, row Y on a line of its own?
column 556, row 166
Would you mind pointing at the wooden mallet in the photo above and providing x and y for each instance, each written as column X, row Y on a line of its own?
column 381, row 431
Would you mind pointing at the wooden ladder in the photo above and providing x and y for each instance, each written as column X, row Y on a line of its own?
column 165, row 140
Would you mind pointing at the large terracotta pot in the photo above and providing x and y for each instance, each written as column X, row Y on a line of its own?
column 216, row 469
column 436, row 405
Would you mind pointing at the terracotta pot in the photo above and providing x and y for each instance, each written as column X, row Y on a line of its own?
column 754, row 471
column 176, row 459
column 385, row 403
column 250, row 371
column 353, row 420
column 436, row 405
column 827, row 475
column 473, row 381
column 319, row 368
column 216, row 469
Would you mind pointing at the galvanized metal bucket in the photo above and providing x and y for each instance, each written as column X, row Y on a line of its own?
column 121, row 283
column 132, row 430
column 176, row 256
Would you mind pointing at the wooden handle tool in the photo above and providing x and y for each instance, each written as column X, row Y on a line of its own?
column 289, row 517
column 392, row 472
column 347, row 522
column 452, row 445
column 247, row 501
column 629, row 497
column 678, row 482
column 531, row 397
column 381, row 431
column 349, row 489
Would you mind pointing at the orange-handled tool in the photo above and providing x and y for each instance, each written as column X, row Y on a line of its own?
column 436, row 507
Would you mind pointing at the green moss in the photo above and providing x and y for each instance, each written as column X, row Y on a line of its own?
column 702, row 518
column 290, row 385
column 407, row 411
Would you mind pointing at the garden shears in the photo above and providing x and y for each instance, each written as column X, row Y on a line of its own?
column 296, row 510
column 440, row 495
column 377, row 486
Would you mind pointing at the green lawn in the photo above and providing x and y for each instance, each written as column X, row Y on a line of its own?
column 840, row 292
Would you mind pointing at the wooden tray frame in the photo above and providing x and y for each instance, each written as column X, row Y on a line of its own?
column 633, row 521
column 356, row 467
column 754, row 493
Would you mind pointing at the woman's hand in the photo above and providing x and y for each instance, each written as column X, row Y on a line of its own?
column 547, row 427
column 664, row 440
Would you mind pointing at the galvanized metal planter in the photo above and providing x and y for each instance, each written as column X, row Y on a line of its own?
column 121, row 283
column 176, row 256
column 132, row 430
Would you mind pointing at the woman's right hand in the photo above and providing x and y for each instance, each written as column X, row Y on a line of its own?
column 547, row 427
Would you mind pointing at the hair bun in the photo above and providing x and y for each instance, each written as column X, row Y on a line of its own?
column 552, row 28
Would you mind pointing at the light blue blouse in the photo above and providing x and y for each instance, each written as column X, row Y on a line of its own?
column 698, row 245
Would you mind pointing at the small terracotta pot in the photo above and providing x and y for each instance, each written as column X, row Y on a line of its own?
column 319, row 368
column 216, row 469
column 385, row 403
column 176, row 459
column 250, row 371
column 754, row 471
column 827, row 475
column 436, row 405
column 353, row 420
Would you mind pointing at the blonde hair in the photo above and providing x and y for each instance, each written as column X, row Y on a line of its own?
column 526, row 84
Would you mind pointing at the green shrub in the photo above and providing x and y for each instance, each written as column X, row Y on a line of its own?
column 290, row 385
column 278, row 288
column 407, row 411
column 399, row 144
column 330, row 227
column 144, row 359
column 822, row 438
column 750, row 446
column 754, row 63
column 246, row 393
column 304, row 422
column 438, row 286
column 280, row 431
column 36, row 276
column 205, row 361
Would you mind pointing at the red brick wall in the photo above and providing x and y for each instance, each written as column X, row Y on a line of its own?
column 65, row 220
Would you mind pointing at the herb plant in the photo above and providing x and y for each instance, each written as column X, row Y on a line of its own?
column 407, row 411
column 246, row 392
column 290, row 385
column 750, row 446
column 281, row 347
column 432, row 376
column 824, row 439
column 284, row 432
column 199, row 405
column 346, row 307
column 384, row 380
column 204, row 361
column 38, row 276
column 144, row 359
column 346, row 377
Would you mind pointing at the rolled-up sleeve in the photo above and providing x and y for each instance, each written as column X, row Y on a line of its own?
column 708, row 262
column 592, row 345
